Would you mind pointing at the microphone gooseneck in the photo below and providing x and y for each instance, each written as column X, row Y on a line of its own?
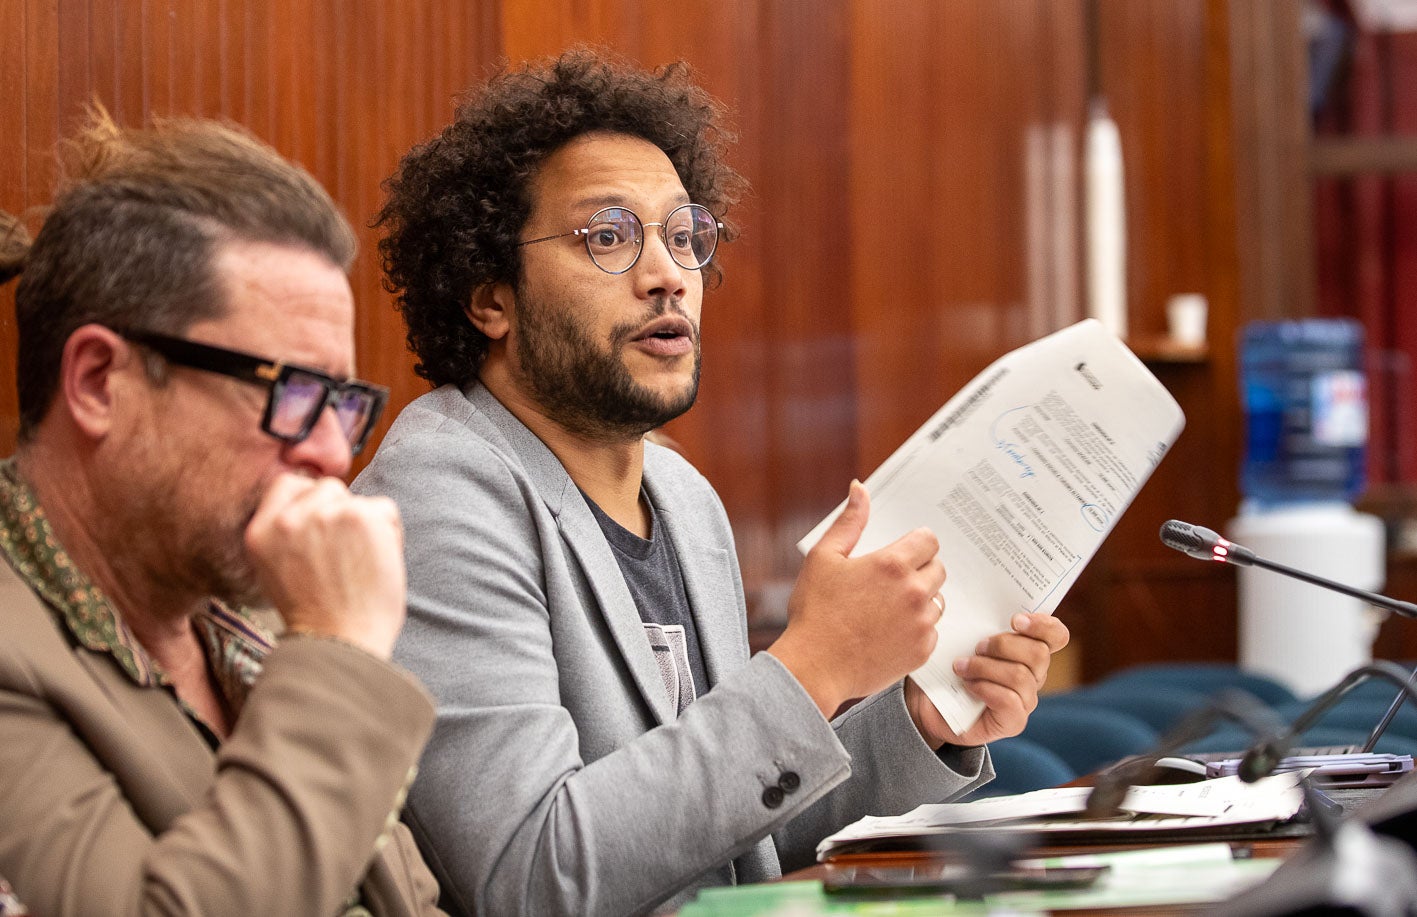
column 1234, row 705
column 1264, row 756
column 1199, row 542
column 1204, row 544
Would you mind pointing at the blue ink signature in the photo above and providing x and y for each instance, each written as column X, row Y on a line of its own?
column 1012, row 450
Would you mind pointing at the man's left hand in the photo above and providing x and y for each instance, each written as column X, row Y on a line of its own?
column 1005, row 673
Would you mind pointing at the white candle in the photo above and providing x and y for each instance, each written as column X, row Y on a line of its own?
column 1106, row 223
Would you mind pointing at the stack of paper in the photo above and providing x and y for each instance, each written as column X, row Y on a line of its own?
column 1169, row 877
column 1057, row 813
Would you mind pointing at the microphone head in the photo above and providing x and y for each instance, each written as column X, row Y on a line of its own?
column 1105, row 800
column 1189, row 539
column 1203, row 544
column 1261, row 760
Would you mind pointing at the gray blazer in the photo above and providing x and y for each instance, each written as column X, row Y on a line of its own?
column 558, row 780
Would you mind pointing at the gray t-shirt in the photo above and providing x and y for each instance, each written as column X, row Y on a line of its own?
column 651, row 571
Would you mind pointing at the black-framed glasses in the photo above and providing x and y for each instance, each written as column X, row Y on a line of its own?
column 615, row 237
column 298, row 395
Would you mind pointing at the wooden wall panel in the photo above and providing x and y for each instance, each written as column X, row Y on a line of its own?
column 14, row 184
column 1152, row 74
column 915, row 213
column 898, row 234
column 796, row 245
column 311, row 77
column 1219, row 167
column 1138, row 601
column 940, row 127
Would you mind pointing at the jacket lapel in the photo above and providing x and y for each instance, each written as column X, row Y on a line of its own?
column 587, row 542
column 711, row 581
column 617, row 606
column 139, row 733
column 155, row 739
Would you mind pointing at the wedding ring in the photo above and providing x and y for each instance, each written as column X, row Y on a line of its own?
column 939, row 601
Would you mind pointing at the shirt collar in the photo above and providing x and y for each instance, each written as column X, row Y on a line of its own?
column 234, row 642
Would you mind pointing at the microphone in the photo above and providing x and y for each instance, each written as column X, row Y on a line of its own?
column 1235, row 705
column 1362, row 865
column 1264, row 756
column 1204, row 544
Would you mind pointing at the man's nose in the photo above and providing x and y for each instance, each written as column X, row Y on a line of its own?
column 656, row 273
column 326, row 451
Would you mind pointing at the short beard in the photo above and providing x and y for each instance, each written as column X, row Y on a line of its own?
column 586, row 389
column 197, row 554
column 226, row 569
column 215, row 561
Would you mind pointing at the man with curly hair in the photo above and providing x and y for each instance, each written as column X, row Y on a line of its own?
column 605, row 744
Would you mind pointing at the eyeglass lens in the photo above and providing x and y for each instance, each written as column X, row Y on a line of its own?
column 298, row 400
column 614, row 237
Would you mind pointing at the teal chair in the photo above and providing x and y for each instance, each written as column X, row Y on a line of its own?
column 1235, row 739
column 1159, row 706
column 1020, row 766
column 1361, row 714
column 1085, row 735
column 1207, row 678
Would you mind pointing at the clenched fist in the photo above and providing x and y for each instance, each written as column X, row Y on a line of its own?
column 330, row 561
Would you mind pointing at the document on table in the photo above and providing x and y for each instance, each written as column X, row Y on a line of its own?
column 1158, row 877
column 1154, row 877
column 1222, row 802
column 1020, row 475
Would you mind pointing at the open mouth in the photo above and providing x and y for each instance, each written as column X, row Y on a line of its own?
column 669, row 333
column 668, row 329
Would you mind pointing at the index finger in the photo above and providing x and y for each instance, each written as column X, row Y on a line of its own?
column 917, row 547
column 282, row 489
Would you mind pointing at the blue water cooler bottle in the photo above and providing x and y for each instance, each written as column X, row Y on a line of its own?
column 1303, row 390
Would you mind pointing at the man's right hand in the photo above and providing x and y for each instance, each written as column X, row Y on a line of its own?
column 855, row 625
column 330, row 561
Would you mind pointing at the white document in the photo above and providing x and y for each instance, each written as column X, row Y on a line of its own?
column 1020, row 476
column 1222, row 802
column 1157, row 877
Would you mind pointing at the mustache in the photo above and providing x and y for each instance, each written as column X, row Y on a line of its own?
column 660, row 306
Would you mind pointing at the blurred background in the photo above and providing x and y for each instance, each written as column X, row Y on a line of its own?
column 920, row 207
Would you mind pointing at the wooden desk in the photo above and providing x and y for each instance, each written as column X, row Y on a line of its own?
column 1267, row 848
column 801, row 891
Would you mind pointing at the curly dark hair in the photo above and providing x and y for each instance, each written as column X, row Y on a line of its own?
column 458, row 203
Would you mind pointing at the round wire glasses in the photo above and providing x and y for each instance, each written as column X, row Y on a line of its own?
column 615, row 237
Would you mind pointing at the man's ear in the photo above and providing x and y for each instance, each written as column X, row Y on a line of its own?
column 490, row 309
column 92, row 372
